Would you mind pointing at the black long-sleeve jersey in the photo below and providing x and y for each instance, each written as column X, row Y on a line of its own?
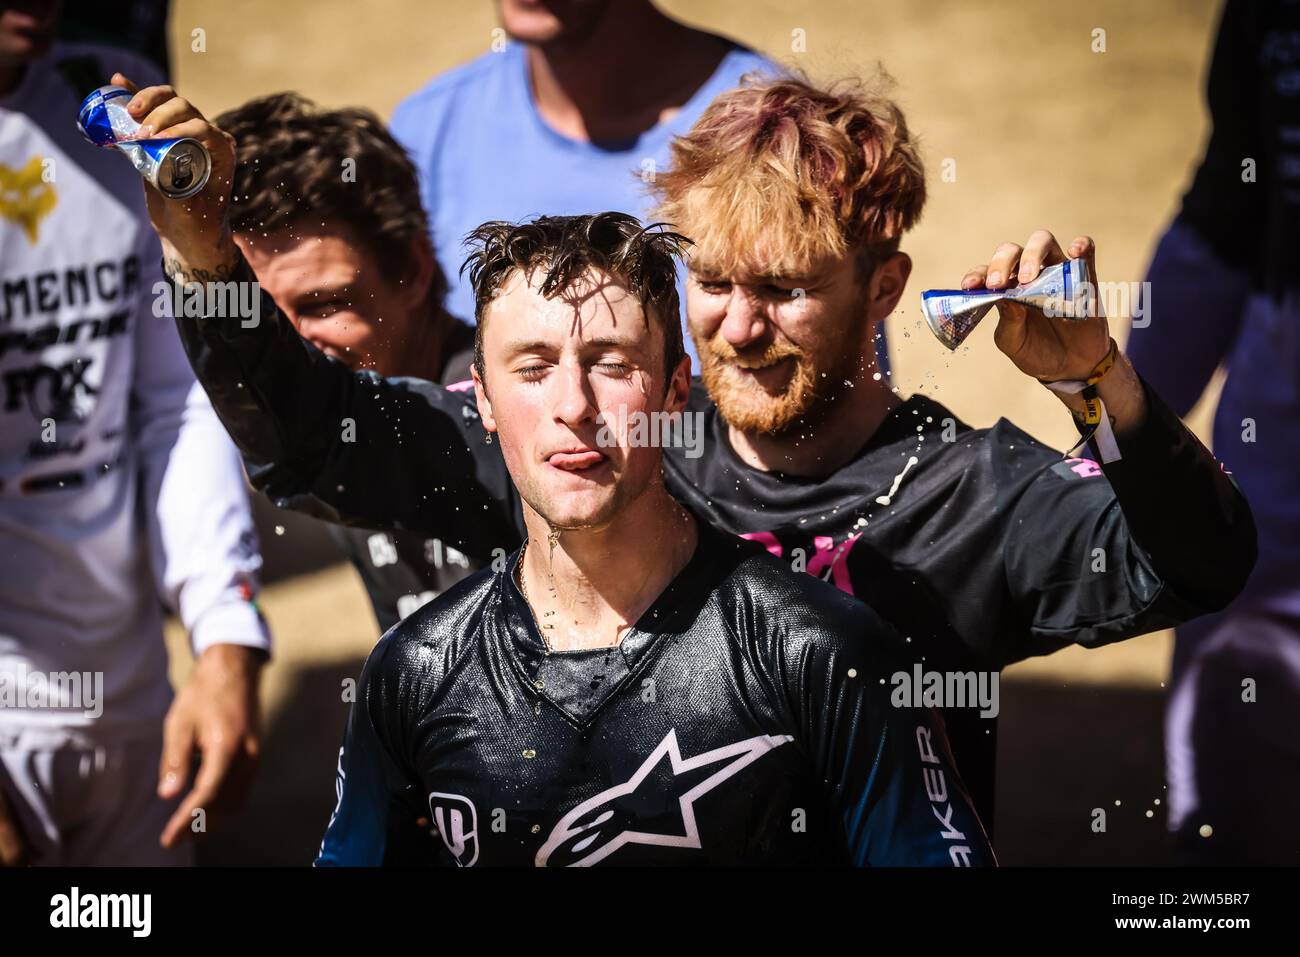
column 403, row 570
column 746, row 718
column 981, row 546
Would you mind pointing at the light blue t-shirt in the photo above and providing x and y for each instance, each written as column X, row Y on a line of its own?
column 484, row 153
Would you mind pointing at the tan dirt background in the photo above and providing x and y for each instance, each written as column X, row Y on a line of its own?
column 1043, row 131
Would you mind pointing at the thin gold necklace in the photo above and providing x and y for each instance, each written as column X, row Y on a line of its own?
column 523, row 588
column 553, row 538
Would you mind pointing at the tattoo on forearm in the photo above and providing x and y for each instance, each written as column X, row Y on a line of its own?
column 176, row 272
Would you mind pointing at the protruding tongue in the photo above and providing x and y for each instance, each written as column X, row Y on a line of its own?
column 576, row 460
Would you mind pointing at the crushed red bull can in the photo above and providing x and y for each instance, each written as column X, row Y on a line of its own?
column 177, row 168
column 1065, row 290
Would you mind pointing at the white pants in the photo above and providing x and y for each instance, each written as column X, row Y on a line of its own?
column 89, row 806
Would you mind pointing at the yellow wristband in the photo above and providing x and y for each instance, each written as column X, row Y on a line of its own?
column 1105, row 365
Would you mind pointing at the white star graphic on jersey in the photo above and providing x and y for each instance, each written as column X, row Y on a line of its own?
column 579, row 833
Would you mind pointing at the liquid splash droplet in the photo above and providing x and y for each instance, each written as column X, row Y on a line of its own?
column 898, row 480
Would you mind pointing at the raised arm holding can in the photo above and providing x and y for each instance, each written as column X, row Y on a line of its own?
column 177, row 168
column 196, row 240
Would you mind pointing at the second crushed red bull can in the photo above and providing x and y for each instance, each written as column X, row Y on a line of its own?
column 177, row 168
column 1065, row 290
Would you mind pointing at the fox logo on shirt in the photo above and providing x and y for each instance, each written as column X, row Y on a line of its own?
column 57, row 392
column 25, row 197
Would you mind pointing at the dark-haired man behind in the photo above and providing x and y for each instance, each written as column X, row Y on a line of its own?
column 326, row 210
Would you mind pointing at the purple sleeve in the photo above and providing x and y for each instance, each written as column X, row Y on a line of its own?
column 1189, row 316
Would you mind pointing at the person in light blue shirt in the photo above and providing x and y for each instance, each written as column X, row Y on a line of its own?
column 573, row 115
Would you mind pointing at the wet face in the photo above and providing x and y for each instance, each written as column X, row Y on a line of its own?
column 777, row 350
column 333, row 292
column 561, row 374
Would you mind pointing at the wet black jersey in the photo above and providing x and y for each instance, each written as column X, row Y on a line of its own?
column 745, row 719
column 981, row 546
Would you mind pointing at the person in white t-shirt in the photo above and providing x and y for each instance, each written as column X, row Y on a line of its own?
column 119, row 494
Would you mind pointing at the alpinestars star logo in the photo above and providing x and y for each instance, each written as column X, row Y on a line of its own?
column 601, row 825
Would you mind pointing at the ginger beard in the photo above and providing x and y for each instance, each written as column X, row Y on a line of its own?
column 800, row 398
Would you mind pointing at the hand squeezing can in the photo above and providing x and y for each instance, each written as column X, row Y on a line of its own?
column 1065, row 289
column 177, row 168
